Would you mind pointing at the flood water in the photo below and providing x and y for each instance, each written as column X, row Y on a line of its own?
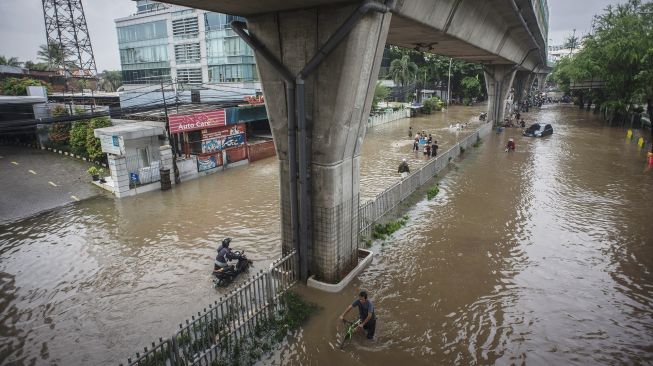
column 541, row 256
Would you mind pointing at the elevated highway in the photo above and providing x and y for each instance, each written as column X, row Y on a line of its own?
column 318, row 61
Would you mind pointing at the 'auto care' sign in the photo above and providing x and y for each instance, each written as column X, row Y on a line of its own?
column 197, row 121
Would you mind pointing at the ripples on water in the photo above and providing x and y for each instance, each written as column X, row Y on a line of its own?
column 543, row 256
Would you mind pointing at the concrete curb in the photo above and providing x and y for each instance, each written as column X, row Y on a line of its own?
column 60, row 152
column 333, row 288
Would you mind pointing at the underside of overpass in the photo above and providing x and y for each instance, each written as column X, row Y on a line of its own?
column 318, row 61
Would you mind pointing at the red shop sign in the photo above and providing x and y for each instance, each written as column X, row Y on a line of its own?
column 197, row 121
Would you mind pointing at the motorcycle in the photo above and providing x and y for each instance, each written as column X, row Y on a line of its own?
column 482, row 117
column 223, row 276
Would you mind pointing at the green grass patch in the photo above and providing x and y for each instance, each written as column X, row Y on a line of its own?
column 432, row 192
column 381, row 231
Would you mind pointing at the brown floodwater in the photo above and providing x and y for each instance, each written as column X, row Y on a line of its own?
column 542, row 256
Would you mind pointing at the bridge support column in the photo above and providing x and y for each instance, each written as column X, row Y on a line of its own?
column 337, row 100
column 541, row 78
column 520, row 85
column 498, row 80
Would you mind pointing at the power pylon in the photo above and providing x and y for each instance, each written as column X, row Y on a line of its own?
column 65, row 27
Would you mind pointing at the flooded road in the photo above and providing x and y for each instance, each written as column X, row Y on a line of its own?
column 542, row 256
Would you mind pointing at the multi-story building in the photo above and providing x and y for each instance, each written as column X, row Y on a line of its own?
column 188, row 46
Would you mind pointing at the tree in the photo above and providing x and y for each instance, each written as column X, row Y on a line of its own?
column 380, row 93
column 110, row 81
column 93, row 145
column 572, row 42
column 40, row 66
column 11, row 61
column 471, row 87
column 54, row 55
column 432, row 104
column 18, row 86
column 403, row 71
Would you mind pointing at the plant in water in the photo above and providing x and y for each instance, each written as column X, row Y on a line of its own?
column 381, row 231
column 462, row 150
column 478, row 141
column 432, row 192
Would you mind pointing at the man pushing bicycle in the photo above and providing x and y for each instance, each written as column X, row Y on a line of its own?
column 366, row 313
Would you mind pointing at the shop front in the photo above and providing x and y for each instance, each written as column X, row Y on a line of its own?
column 208, row 142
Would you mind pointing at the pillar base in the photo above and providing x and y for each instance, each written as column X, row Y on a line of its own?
column 366, row 256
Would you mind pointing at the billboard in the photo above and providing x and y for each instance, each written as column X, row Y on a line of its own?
column 197, row 121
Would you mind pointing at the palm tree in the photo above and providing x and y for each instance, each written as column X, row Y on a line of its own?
column 54, row 55
column 11, row 61
column 403, row 70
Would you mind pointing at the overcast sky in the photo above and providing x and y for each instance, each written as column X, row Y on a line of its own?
column 22, row 28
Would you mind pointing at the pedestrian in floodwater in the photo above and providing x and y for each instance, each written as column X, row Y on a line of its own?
column 403, row 167
column 434, row 149
column 410, row 132
column 416, row 143
column 427, row 150
column 430, row 139
column 365, row 312
column 510, row 146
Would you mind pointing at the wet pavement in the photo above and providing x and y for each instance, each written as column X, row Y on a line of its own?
column 541, row 256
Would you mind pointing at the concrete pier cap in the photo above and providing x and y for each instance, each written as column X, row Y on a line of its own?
column 338, row 99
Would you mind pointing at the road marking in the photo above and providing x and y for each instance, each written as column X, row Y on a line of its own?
column 15, row 163
column 31, row 171
column 75, row 198
column 54, row 185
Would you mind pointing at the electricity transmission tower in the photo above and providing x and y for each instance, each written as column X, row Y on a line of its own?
column 69, row 43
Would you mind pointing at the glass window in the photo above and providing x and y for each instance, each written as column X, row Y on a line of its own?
column 146, row 76
column 232, row 73
column 215, row 21
column 144, row 54
column 141, row 32
column 143, row 157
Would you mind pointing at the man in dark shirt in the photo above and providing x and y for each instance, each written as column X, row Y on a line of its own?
column 434, row 149
column 403, row 167
column 365, row 312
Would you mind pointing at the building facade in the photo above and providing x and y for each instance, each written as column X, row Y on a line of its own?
column 188, row 46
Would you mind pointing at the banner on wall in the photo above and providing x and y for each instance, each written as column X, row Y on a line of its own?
column 197, row 121
column 208, row 162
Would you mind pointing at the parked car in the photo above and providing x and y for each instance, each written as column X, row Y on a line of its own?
column 538, row 130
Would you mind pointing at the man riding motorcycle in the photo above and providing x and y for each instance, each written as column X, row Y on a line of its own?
column 224, row 255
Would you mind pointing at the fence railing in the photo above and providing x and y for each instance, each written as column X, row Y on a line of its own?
column 387, row 117
column 371, row 211
column 214, row 332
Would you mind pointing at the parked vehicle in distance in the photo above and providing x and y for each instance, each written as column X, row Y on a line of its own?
column 538, row 130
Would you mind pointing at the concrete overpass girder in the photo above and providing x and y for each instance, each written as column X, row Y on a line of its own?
column 338, row 99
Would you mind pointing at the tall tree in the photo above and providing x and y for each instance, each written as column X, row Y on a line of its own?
column 402, row 71
column 110, row 80
column 10, row 61
column 54, row 55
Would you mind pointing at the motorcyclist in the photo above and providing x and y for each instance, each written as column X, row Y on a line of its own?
column 224, row 255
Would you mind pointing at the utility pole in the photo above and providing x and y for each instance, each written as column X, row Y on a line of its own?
column 172, row 144
column 449, row 85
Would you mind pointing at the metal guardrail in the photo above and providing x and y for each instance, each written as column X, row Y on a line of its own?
column 211, row 335
column 371, row 211
column 387, row 117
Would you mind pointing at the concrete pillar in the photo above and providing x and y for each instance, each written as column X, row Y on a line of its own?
column 520, row 84
column 119, row 175
column 541, row 78
column 498, row 80
column 338, row 100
